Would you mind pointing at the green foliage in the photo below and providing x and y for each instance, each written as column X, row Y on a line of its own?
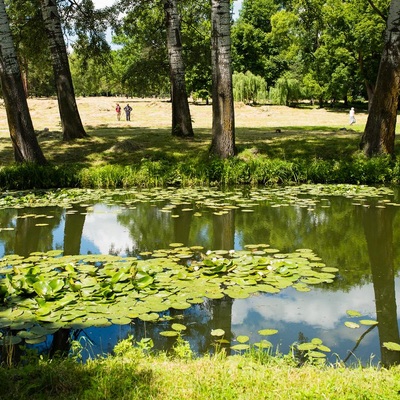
column 240, row 170
column 249, row 88
column 133, row 374
column 287, row 90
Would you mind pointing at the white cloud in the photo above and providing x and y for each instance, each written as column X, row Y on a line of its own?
column 316, row 308
column 104, row 231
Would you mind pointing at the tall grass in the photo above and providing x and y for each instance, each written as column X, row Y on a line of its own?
column 203, row 171
column 138, row 374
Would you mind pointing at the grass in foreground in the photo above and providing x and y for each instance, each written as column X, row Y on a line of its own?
column 134, row 374
column 127, row 157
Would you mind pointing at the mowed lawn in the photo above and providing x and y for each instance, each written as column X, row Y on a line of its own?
column 272, row 131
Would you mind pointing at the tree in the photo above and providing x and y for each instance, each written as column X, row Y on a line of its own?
column 223, row 120
column 30, row 43
column 379, row 133
column 181, row 119
column 70, row 119
column 25, row 144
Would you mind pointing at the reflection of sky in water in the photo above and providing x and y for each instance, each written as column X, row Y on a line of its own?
column 319, row 313
column 314, row 314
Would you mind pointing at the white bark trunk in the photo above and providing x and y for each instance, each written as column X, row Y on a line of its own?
column 25, row 144
column 181, row 119
column 9, row 64
column 223, row 129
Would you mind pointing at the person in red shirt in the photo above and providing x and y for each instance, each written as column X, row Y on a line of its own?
column 118, row 110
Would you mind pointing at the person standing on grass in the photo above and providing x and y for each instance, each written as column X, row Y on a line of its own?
column 352, row 116
column 128, row 110
column 118, row 110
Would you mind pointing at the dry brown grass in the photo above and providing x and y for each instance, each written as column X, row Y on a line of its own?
column 150, row 127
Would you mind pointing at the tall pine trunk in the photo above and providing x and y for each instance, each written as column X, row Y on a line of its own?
column 181, row 119
column 25, row 144
column 379, row 133
column 223, row 123
column 70, row 119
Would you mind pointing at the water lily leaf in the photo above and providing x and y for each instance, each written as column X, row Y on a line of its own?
column 149, row 317
column 316, row 354
column 317, row 341
column 306, row 346
column 392, row 346
column 217, row 332
column 267, row 332
column 263, row 344
column 178, row 327
column 120, row 321
column 10, row 340
column 183, row 305
column 176, row 244
column 169, row 333
column 351, row 325
column 353, row 313
column 322, row 347
column 368, row 322
column 36, row 340
column 240, row 347
column 242, row 338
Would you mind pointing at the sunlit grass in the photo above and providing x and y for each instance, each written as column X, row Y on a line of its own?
column 134, row 374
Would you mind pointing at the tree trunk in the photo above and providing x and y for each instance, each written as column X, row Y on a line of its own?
column 379, row 134
column 223, row 124
column 181, row 119
column 70, row 119
column 25, row 144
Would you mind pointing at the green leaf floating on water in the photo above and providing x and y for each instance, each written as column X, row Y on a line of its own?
column 368, row 322
column 97, row 290
column 240, row 347
column 392, row 346
column 217, row 332
column 353, row 313
column 352, row 325
column 242, row 339
column 267, row 332
column 169, row 333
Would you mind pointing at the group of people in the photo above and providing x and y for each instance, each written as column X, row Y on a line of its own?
column 127, row 109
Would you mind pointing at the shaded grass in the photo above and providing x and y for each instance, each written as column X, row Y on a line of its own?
column 126, row 157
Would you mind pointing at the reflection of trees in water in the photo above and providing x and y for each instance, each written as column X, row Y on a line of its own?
column 334, row 233
column 33, row 229
column 378, row 226
column 149, row 227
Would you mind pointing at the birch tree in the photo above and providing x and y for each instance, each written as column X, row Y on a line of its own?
column 25, row 144
column 70, row 119
column 379, row 133
column 223, row 120
column 181, row 119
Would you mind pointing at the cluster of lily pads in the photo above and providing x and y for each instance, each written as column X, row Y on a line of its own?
column 47, row 291
column 305, row 195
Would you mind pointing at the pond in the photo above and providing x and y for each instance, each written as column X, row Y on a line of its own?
column 308, row 262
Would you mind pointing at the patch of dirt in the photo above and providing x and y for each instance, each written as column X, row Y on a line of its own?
column 126, row 146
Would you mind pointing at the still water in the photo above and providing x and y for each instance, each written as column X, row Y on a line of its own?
column 358, row 234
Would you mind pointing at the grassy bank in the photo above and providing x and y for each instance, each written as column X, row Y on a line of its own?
column 245, row 169
column 275, row 145
column 134, row 374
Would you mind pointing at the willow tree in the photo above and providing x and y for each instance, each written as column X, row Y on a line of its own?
column 181, row 119
column 25, row 144
column 223, row 119
column 70, row 119
column 379, row 133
